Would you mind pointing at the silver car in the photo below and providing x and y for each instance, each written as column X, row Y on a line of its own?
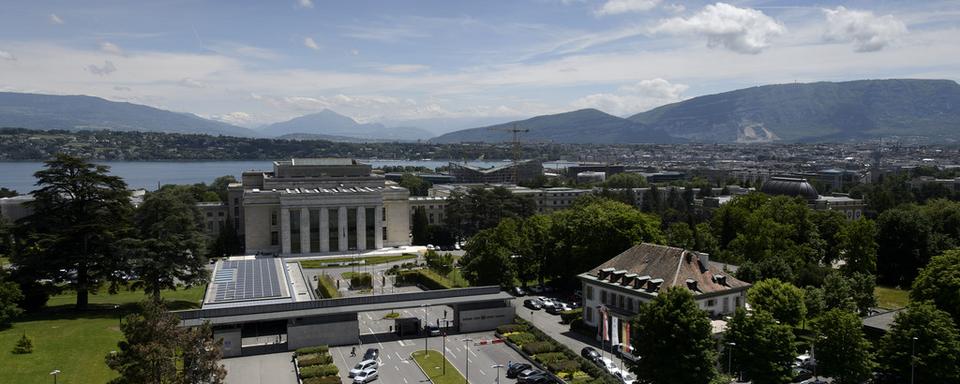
column 366, row 376
column 363, row 366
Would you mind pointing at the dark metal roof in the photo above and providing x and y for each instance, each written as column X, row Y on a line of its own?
column 787, row 186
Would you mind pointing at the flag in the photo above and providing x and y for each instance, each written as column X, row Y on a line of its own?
column 626, row 336
column 603, row 316
column 616, row 331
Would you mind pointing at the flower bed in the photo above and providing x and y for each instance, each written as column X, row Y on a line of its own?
column 315, row 365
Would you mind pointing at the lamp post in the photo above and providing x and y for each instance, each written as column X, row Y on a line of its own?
column 119, row 315
column 466, row 357
column 424, row 330
column 443, row 348
column 54, row 374
column 913, row 363
column 730, row 357
column 497, row 366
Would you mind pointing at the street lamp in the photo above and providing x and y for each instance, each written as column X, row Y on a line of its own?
column 497, row 366
column 119, row 316
column 466, row 357
column 913, row 363
column 424, row 330
column 54, row 374
column 730, row 357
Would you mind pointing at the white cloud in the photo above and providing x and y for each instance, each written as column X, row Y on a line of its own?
column 675, row 7
column 354, row 52
column 742, row 30
column 191, row 83
column 107, row 68
column 309, row 43
column 305, row 3
column 404, row 68
column 634, row 98
column 55, row 19
column 110, row 48
column 616, row 7
column 866, row 31
column 4, row 55
column 235, row 118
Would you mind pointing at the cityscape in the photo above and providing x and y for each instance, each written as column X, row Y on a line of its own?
column 530, row 192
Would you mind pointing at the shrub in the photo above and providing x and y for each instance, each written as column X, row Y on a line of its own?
column 521, row 338
column 322, row 380
column 326, row 288
column 428, row 279
column 392, row 315
column 318, row 371
column 361, row 280
column 24, row 345
column 550, row 357
column 563, row 366
column 566, row 317
column 320, row 349
column 538, row 347
column 508, row 328
column 314, row 359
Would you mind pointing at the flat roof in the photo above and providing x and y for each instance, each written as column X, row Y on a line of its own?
column 246, row 278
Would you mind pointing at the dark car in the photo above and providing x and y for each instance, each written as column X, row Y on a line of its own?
column 517, row 291
column 371, row 354
column 557, row 307
column 514, row 369
column 590, row 354
column 533, row 377
column 533, row 304
column 432, row 330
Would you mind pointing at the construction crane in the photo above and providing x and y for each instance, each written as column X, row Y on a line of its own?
column 516, row 147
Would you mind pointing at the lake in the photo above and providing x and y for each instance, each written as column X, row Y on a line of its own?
column 18, row 175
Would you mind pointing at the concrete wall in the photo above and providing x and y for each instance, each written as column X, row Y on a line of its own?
column 485, row 319
column 231, row 341
column 257, row 228
column 397, row 219
column 308, row 333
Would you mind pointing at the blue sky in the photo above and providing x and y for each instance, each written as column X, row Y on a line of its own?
column 257, row 62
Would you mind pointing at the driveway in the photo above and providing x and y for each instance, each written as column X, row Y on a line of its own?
column 261, row 369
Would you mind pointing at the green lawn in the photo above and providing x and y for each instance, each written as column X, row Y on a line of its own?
column 432, row 364
column 891, row 298
column 456, row 278
column 75, row 342
column 369, row 260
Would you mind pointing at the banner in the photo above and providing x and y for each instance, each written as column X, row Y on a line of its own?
column 606, row 332
column 616, row 331
column 626, row 336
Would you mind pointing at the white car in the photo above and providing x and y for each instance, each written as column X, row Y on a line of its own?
column 366, row 376
column 625, row 377
column 608, row 365
column 362, row 366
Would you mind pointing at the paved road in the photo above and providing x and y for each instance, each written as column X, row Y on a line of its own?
column 275, row 368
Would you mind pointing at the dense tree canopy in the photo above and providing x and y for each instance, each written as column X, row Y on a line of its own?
column 931, row 337
column 673, row 338
column 10, row 297
column 79, row 213
column 939, row 282
column 763, row 349
column 416, row 184
column 782, row 300
column 481, row 208
column 842, row 352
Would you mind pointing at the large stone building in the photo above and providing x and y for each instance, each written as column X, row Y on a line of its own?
column 313, row 206
column 640, row 273
column 795, row 187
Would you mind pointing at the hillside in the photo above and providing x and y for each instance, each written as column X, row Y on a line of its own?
column 36, row 111
column 331, row 124
column 823, row 111
column 581, row 126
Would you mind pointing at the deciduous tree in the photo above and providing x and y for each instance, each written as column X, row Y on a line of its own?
column 782, row 300
column 926, row 338
column 673, row 338
column 842, row 352
column 939, row 282
column 763, row 348
column 857, row 241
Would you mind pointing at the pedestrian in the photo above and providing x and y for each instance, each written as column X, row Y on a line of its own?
column 353, row 351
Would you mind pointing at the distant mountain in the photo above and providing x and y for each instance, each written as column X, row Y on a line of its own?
column 334, row 138
column 582, row 126
column 440, row 125
column 36, row 111
column 816, row 112
column 330, row 123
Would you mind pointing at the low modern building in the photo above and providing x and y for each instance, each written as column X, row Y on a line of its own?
column 526, row 170
column 315, row 206
column 642, row 272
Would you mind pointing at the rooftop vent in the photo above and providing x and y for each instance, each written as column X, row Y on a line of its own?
column 640, row 281
column 628, row 279
column 654, row 285
column 603, row 273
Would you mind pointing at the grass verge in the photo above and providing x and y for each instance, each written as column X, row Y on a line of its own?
column 75, row 342
column 432, row 365
column 891, row 298
column 369, row 260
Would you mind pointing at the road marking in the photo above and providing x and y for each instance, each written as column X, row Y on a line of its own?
column 405, row 380
column 473, row 353
column 481, row 372
column 389, row 357
column 368, row 316
column 451, row 353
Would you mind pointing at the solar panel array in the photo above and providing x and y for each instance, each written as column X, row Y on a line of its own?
column 246, row 280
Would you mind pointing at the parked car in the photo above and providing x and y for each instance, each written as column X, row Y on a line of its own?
column 801, row 374
column 517, row 291
column 362, row 366
column 607, row 364
column 514, row 369
column 804, row 361
column 557, row 307
column 535, row 376
column 371, row 354
column 366, row 376
column 533, row 304
column 590, row 354
column 432, row 330
column 625, row 377
column 527, row 373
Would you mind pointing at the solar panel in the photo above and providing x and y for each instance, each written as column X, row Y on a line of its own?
column 238, row 280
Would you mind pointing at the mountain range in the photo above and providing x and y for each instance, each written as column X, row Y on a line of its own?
column 809, row 112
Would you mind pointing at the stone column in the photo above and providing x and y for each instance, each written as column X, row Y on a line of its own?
column 342, row 227
column 378, row 227
column 305, row 230
column 361, row 228
column 285, row 231
column 324, row 230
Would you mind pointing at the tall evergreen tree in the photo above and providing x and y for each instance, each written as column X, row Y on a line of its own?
column 673, row 338
column 79, row 213
column 420, row 226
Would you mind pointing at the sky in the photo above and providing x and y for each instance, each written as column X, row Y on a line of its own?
column 252, row 63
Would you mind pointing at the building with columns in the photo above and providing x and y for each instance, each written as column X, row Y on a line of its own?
column 317, row 206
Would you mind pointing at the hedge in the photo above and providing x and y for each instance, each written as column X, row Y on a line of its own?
column 326, row 287
column 538, row 347
column 510, row 328
column 563, row 366
column 550, row 357
column 321, row 349
column 361, row 280
column 315, row 359
column 429, row 279
column 322, row 380
column 568, row 316
column 522, row 338
column 599, row 375
column 318, row 371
